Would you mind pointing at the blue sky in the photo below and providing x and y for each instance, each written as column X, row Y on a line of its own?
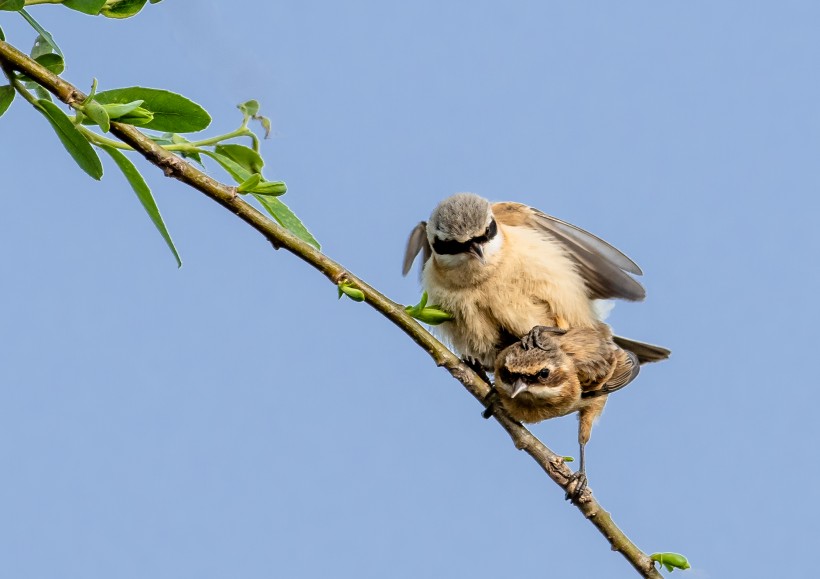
column 233, row 419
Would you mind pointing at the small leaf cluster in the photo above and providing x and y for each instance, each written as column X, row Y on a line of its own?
column 348, row 289
column 670, row 561
column 432, row 315
column 164, row 116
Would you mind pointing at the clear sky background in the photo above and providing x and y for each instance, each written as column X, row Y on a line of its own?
column 233, row 419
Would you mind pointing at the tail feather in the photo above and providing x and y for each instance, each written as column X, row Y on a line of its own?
column 646, row 353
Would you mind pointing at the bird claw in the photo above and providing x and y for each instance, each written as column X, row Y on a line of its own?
column 533, row 338
column 492, row 396
column 576, row 485
column 478, row 368
column 475, row 365
column 490, row 400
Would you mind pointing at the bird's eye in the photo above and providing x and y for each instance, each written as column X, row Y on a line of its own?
column 544, row 374
column 492, row 229
column 505, row 376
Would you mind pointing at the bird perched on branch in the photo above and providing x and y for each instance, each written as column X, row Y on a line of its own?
column 500, row 269
column 553, row 372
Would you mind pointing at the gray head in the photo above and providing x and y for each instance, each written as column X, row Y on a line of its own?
column 461, row 224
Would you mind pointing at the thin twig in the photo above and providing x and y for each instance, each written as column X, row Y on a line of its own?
column 173, row 166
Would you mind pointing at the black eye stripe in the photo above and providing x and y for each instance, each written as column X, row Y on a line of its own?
column 509, row 377
column 453, row 247
column 450, row 247
column 492, row 229
column 506, row 376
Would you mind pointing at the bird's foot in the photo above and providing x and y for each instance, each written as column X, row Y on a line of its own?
column 538, row 336
column 576, row 485
column 477, row 367
column 491, row 399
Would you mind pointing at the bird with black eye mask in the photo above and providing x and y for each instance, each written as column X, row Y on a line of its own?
column 553, row 372
column 502, row 268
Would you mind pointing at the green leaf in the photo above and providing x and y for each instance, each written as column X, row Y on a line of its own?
column 164, row 139
column 91, row 7
column 419, row 306
column 265, row 122
column 242, row 155
column 287, row 219
column 350, row 291
column 138, row 117
column 274, row 188
column 122, row 8
column 191, row 155
column 115, row 111
column 44, row 40
column 2, row 35
column 140, row 187
column 93, row 92
column 432, row 315
column 41, row 92
column 179, row 139
column 6, row 96
column 568, row 459
column 249, row 108
column 97, row 113
column 172, row 112
column 12, row 5
column 129, row 113
column 40, row 47
column 249, row 183
column 671, row 560
column 237, row 171
column 72, row 139
column 51, row 61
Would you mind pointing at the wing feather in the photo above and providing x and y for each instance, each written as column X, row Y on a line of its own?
column 417, row 242
column 604, row 268
column 626, row 370
column 646, row 353
column 590, row 242
column 592, row 352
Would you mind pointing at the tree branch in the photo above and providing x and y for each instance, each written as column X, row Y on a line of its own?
column 173, row 166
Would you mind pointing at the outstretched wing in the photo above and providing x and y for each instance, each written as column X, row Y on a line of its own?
column 417, row 242
column 604, row 268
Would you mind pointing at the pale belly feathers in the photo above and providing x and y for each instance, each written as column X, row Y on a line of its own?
column 528, row 281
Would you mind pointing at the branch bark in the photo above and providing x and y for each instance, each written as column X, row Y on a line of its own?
column 175, row 167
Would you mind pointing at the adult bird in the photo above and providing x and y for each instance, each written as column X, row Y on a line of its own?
column 553, row 372
column 503, row 268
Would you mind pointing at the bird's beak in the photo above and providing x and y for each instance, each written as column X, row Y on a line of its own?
column 518, row 388
column 476, row 250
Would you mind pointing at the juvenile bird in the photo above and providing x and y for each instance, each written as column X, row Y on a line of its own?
column 503, row 268
column 553, row 372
